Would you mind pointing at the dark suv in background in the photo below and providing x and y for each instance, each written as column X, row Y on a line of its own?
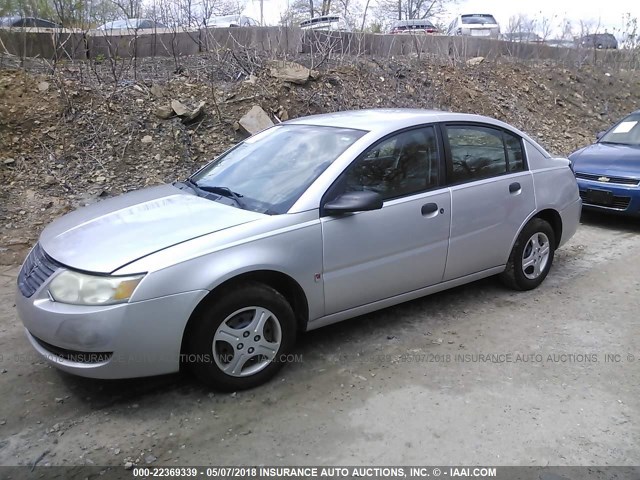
column 598, row 40
column 30, row 22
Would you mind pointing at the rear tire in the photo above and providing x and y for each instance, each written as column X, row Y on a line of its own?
column 241, row 337
column 531, row 256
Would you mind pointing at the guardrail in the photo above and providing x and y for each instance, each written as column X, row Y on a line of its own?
column 56, row 44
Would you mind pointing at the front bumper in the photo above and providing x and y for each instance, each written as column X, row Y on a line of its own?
column 118, row 341
column 626, row 199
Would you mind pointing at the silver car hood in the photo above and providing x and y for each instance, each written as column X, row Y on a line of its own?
column 109, row 234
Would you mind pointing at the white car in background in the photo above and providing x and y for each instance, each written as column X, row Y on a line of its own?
column 132, row 24
column 325, row 22
column 475, row 25
column 228, row 21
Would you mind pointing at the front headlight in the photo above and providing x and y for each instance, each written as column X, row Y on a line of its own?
column 81, row 289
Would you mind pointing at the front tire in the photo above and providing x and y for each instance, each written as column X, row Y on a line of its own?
column 531, row 256
column 241, row 337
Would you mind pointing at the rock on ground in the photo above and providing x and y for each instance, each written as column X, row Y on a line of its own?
column 255, row 120
column 292, row 72
column 180, row 109
column 475, row 61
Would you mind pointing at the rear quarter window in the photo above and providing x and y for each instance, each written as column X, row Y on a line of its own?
column 515, row 152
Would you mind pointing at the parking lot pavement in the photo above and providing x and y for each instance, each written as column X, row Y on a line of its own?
column 476, row 375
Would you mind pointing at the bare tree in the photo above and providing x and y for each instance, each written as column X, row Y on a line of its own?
column 521, row 24
column 296, row 12
column 130, row 8
column 70, row 13
column 566, row 29
column 364, row 15
column 35, row 8
column 630, row 35
column 546, row 27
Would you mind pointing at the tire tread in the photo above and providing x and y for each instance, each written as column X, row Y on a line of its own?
column 512, row 277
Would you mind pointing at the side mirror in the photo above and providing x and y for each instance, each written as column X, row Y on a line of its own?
column 599, row 135
column 354, row 202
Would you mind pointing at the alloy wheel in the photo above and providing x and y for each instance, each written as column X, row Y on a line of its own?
column 247, row 341
column 535, row 256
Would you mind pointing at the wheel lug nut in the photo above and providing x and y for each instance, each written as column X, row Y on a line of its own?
column 250, row 350
column 256, row 338
column 245, row 334
column 240, row 345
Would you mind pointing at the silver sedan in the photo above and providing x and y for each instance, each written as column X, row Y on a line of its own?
column 310, row 222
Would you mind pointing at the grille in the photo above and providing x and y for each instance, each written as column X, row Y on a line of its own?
column 35, row 270
column 619, row 203
column 74, row 355
column 618, row 180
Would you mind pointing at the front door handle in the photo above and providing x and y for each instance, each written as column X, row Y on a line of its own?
column 514, row 188
column 429, row 209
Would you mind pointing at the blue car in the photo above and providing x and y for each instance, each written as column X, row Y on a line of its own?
column 608, row 172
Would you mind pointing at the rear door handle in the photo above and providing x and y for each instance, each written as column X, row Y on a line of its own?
column 429, row 209
column 514, row 188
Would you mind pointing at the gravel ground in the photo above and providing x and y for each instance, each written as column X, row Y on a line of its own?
column 385, row 388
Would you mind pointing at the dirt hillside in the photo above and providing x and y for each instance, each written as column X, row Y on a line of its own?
column 73, row 136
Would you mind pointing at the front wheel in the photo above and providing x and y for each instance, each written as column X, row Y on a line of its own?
column 531, row 256
column 241, row 338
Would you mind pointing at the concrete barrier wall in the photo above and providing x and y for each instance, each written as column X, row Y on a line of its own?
column 44, row 43
column 160, row 43
column 458, row 48
column 52, row 44
column 267, row 39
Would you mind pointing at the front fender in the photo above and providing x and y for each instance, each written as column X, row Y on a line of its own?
column 295, row 250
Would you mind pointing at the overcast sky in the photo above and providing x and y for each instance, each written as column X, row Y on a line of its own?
column 608, row 13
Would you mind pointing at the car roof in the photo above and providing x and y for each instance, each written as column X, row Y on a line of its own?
column 15, row 18
column 226, row 17
column 127, row 21
column 384, row 119
column 322, row 18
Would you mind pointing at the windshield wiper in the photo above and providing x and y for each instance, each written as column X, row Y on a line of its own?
column 223, row 191
column 615, row 143
column 191, row 184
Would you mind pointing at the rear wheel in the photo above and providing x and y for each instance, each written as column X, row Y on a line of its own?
column 241, row 338
column 531, row 256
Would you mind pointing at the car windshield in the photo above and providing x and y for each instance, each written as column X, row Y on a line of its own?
column 270, row 170
column 478, row 19
column 627, row 132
